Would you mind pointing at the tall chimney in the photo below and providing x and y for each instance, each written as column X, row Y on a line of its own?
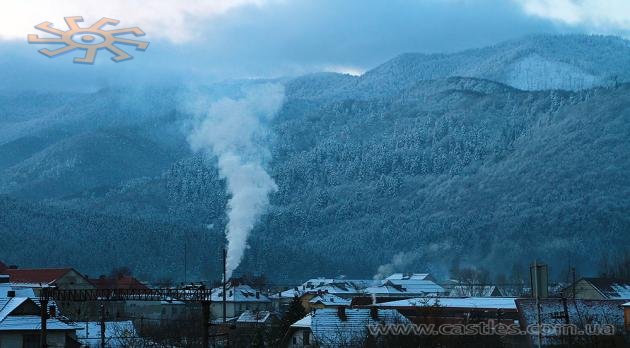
column 341, row 313
column 374, row 313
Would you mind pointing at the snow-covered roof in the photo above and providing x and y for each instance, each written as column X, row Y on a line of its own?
column 9, row 304
column 627, row 304
column 20, row 291
column 330, row 300
column 452, row 302
column 31, row 322
column 254, row 317
column 406, row 287
column 330, row 330
column 409, row 276
column 304, row 322
column 239, row 293
column 613, row 289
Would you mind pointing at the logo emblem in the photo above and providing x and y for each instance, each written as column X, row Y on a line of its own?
column 89, row 39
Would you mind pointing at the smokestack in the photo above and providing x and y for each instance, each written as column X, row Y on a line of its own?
column 374, row 313
column 341, row 313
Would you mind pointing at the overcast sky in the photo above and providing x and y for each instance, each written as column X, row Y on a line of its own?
column 207, row 40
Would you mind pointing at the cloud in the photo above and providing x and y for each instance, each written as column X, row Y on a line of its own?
column 607, row 15
column 177, row 21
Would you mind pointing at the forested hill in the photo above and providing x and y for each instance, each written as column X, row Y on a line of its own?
column 447, row 169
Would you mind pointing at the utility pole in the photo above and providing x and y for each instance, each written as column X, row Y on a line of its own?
column 535, row 285
column 205, row 308
column 43, row 303
column 224, row 284
column 573, row 286
column 102, row 326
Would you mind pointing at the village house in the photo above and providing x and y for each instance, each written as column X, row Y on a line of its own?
column 340, row 327
column 311, row 288
column 406, row 285
column 455, row 310
column 20, row 325
column 598, row 289
column 239, row 299
column 326, row 300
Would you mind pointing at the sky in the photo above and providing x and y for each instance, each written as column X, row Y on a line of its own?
column 197, row 41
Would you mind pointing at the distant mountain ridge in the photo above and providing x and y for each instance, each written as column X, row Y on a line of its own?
column 453, row 169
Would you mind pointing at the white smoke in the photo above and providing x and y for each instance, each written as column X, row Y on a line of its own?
column 398, row 263
column 236, row 132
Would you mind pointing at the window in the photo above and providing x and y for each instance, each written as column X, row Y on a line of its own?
column 306, row 338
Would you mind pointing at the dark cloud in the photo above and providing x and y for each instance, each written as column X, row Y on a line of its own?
column 286, row 38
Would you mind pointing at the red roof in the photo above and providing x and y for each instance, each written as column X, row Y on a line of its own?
column 124, row 282
column 42, row 275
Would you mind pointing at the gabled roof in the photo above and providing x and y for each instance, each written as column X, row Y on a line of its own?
column 32, row 323
column 611, row 288
column 8, row 305
column 330, row 300
column 254, row 317
column 329, row 330
column 123, row 282
column 239, row 293
column 36, row 276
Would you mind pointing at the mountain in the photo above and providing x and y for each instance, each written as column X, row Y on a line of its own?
column 570, row 62
column 449, row 169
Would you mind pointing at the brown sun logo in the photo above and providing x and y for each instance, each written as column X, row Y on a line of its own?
column 90, row 39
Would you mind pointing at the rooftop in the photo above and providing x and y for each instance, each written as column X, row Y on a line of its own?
column 454, row 302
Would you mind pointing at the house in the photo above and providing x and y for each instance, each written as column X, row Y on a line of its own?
column 455, row 310
column 62, row 278
column 251, row 327
column 577, row 312
column 20, row 325
column 626, row 315
column 326, row 300
column 340, row 327
column 313, row 287
column 239, row 299
column 476, row 291
column 599, row 289
column 406, row 285
column 120, row 282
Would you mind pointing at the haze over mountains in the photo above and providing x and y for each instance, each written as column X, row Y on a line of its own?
column 491, row 157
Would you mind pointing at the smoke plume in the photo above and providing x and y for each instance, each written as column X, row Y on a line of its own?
column 236, row 132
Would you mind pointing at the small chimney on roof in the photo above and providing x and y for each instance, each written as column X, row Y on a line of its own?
column 11, row 293
column 341, row 313
column 374, row 313
column 257, row 294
